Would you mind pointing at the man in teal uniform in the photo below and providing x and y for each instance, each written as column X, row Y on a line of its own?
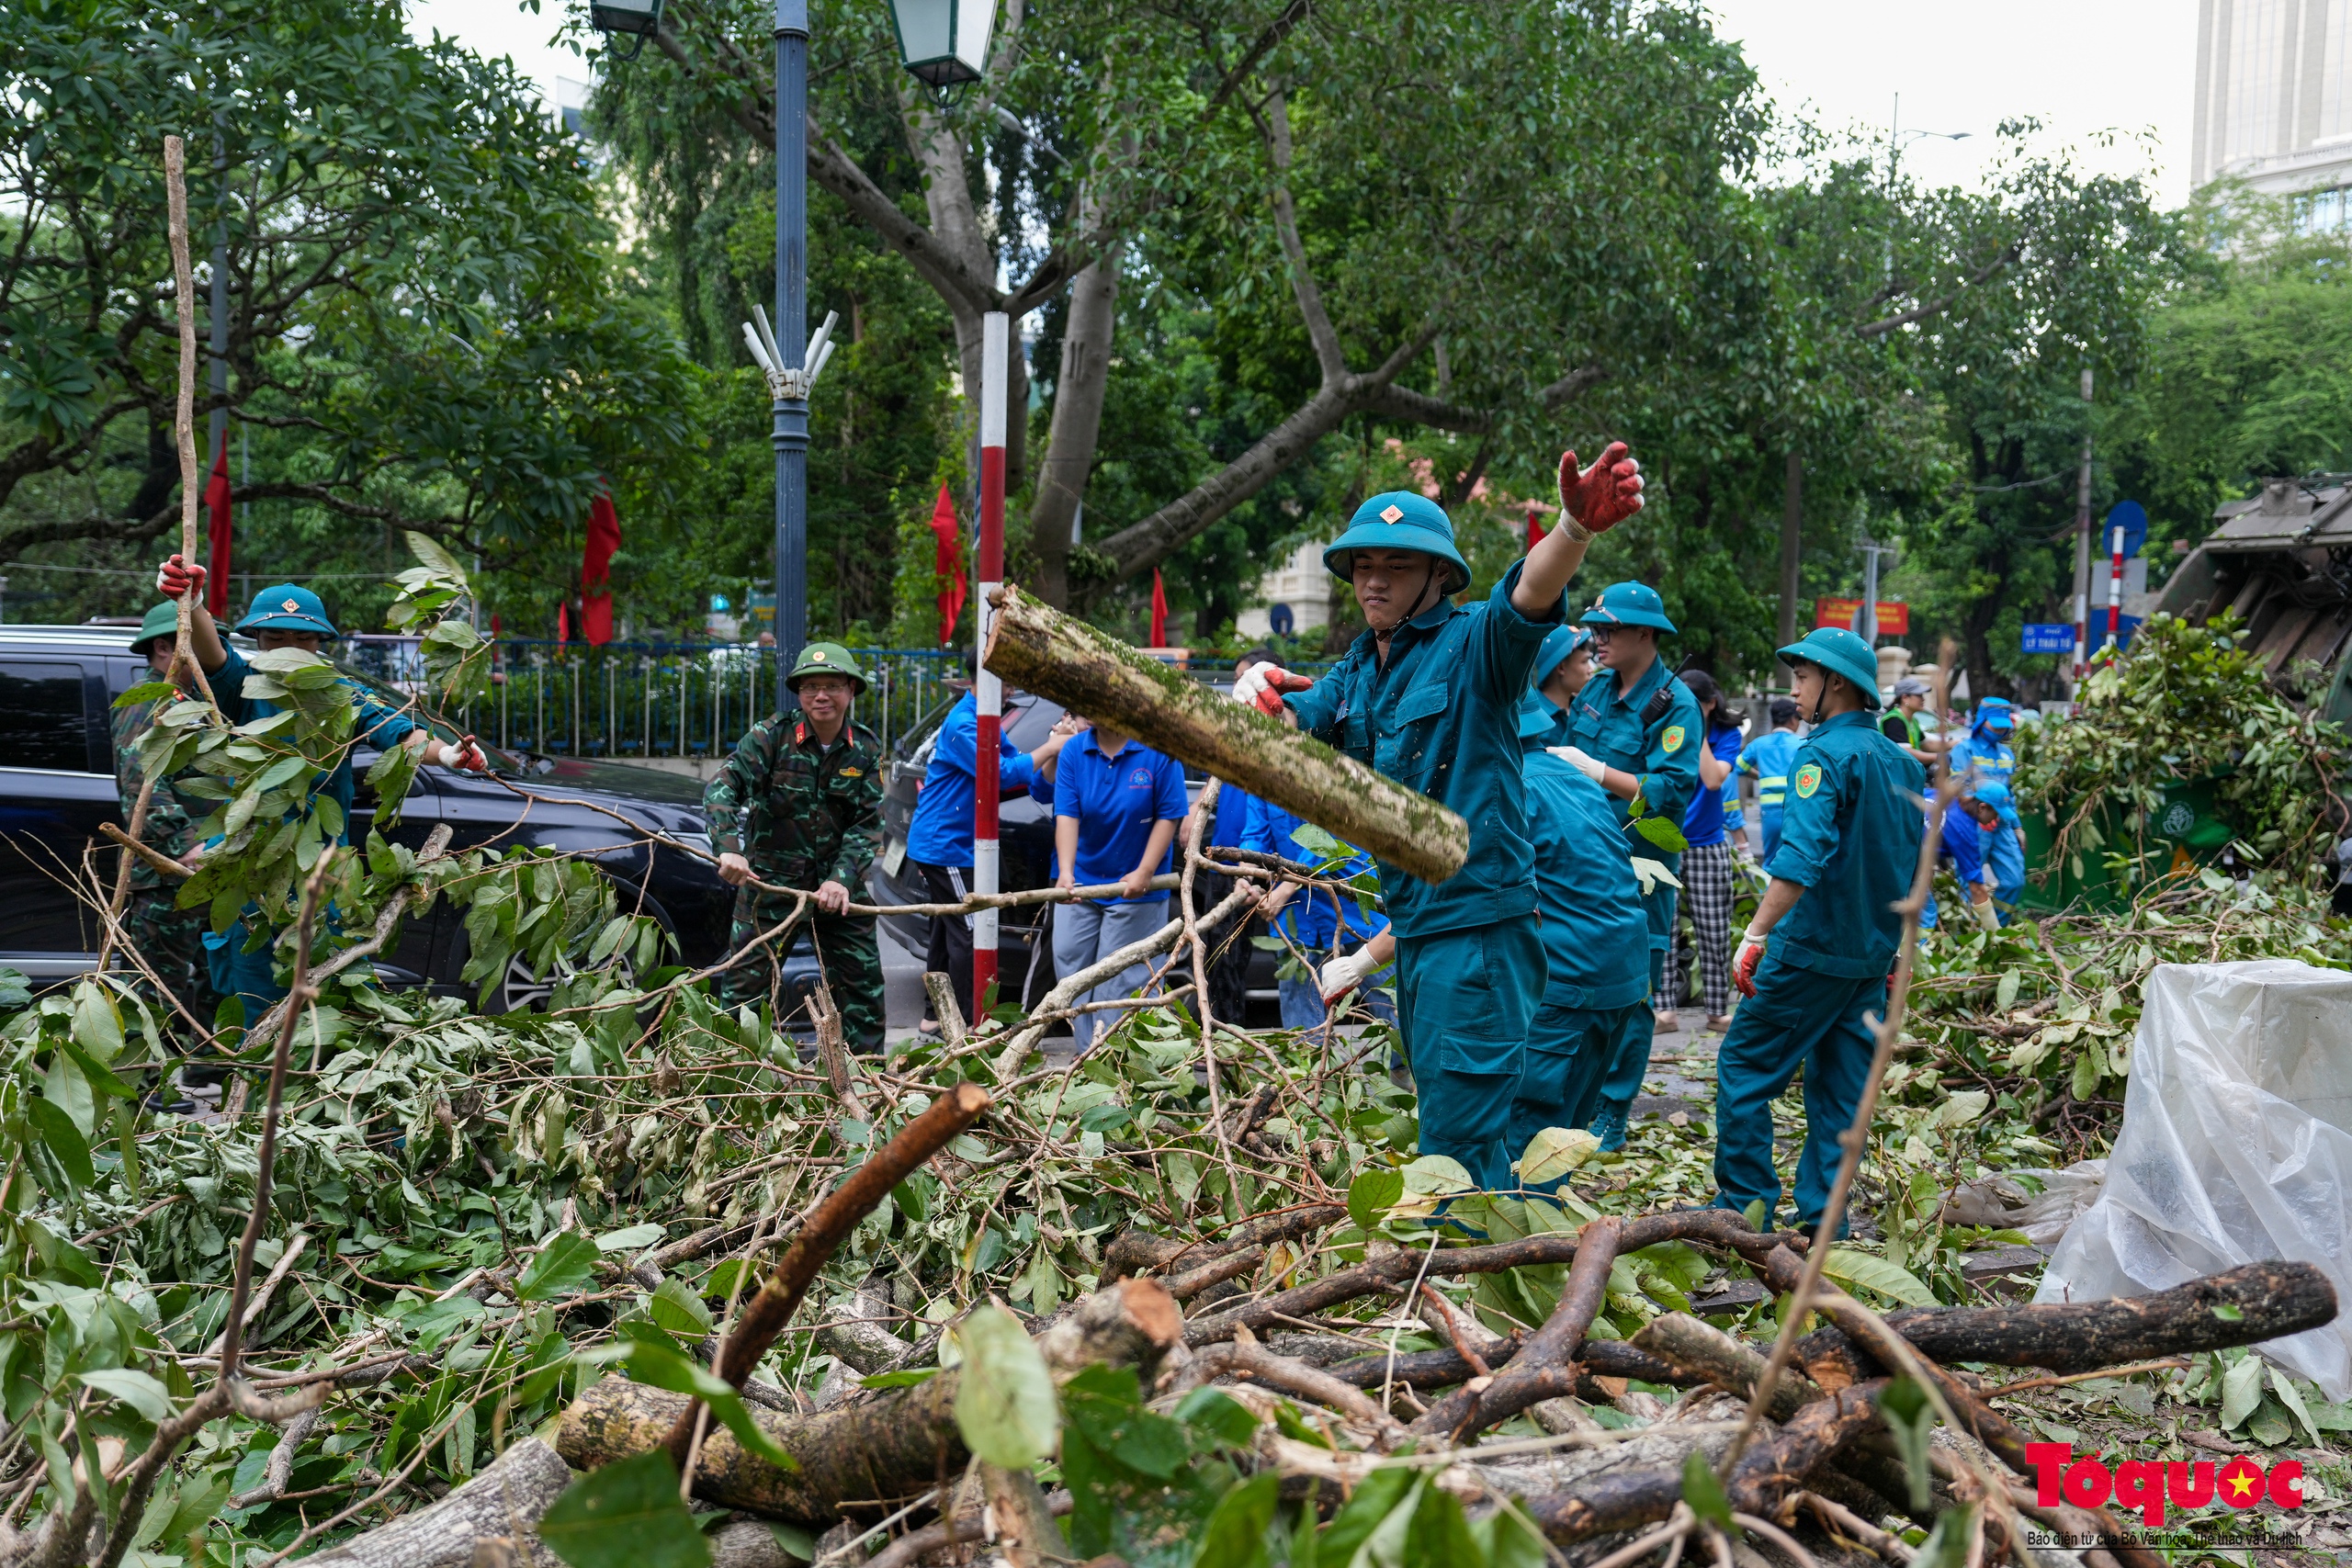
column 1635, row 731
column 1814, row 962
column 1431, row 695
column 1596, row 940
column 284, row 616
column 1563, row 665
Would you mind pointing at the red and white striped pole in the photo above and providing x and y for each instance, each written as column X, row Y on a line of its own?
column 2115, row 587
column 988, row 690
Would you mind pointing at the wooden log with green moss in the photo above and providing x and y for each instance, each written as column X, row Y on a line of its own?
column 1037, row 648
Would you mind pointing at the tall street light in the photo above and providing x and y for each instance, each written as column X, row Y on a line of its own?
column 945, row 43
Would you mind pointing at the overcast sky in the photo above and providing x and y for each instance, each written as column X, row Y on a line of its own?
column 2081, row 66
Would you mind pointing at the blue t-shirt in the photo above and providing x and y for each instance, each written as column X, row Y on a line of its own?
column 1314, row 916
column 1704, row 823
column 1229, row 829
column 1116, row 800
column 941, row 834
column 1963, row 845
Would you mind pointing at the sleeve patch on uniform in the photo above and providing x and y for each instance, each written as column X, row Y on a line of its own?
column 1808, row 780
column 1672, row 740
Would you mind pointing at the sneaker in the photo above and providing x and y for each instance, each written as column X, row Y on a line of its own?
column 1608, row 1126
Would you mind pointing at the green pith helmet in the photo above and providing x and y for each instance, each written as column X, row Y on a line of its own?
column 1400, row 520
column 161, row 624
column 1840, row 653
column 1628, row 604
column 826, row 659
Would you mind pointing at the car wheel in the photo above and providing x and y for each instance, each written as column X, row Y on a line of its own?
column 520, row 989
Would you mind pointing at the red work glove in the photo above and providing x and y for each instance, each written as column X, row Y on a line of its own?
column 465, row 756
column 1743, row 967
column 1261, row 687
column 178, row 576
column 1599, row 498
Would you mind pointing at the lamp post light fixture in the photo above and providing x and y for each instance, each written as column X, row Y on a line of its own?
column 945, row 43
column 636, row 19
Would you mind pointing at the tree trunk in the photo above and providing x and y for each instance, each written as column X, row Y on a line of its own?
column 1041, row 650
column 955, row 218
column 894, row 1445
column 1079, row 390
column 505, row 1502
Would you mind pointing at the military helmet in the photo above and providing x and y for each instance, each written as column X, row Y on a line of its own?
column 1628, row 604
column 161, row 624
column 826, row 659
column 1840, row 653
column 285, row 607
column 1400, row 520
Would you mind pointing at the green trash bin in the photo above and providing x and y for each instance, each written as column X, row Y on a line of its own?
column 2186, row 818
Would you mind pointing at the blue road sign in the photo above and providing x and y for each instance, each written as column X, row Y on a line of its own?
column 2049, row 637
column 2132, row 518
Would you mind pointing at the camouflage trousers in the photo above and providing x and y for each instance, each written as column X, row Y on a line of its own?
column 846, row 952
column 172, row 941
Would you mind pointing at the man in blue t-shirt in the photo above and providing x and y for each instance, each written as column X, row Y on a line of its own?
column 1319, row 922
column 1116, row 803
column 939, row 839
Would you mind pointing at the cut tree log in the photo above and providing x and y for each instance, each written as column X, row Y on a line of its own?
column 1545, row 1366
column 1095, row 675
column 505, row 1502
column 2241, row 1306
column 1702, row 1349
column 894, row 1445
column 1444, row 1368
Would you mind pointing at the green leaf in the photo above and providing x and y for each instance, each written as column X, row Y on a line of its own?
column 1372, row 1194
column 2228, row 1312
column 62, row 1140
column 1946, row 1544
column 2292, row 1398
column 2241, row 1391
column 1236, row 1536
column 905, row 1378
column 97, row 1023
column 1429, row 1182
column 2005, row 995
column 631, row 1239
column 136, row 1389
column 1703, row 1491
column 1851, row 1268
column 1220, row 1415
column 1554, row 1153
column 676, row 1308
column 1903, row 1406
column 626, row 1515
column 1005, row 1404
column 1662, row 833
column 564, row 1265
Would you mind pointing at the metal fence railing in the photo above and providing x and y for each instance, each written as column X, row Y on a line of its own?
column 646, row 700
column 666, row 699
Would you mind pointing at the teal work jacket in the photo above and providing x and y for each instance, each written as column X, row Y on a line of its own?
column 1442, row 718
column 1596, row 936
column 1663, row 754
column 1850, row 834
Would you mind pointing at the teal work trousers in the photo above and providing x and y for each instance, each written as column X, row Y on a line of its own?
column 1629, row 1054
column 1465, row 999
column 1797, row 1018
column 1567, row 1050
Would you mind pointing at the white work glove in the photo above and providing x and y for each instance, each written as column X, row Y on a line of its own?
column 1589, row 766
column 1261, row 687
column 1985, row 916
column 1344, row 974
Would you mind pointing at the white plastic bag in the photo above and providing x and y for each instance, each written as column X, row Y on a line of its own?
column 2000, row 1202
column 2236, row 1147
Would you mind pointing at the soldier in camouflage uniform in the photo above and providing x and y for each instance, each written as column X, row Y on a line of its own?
column 799, row 804
column 170, row 939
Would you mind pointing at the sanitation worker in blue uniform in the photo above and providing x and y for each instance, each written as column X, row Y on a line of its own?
column 1983, row 759
column 1814, row 962
column 1635, row 731
column 1768, row 759
column 1431, row 695
column 1596, row 941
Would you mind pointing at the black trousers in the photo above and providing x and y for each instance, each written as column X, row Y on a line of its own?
column 950, row 952
column 1228, row 967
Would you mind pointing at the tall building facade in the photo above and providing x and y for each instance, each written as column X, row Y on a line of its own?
column 2273, row 100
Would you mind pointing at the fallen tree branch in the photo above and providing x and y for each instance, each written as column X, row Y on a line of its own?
column 1544, row 1366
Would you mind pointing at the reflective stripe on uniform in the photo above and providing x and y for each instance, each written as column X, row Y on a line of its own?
column 1771, row 791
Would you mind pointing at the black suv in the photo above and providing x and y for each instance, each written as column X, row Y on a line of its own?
column 57, row 687
column 1026, row 857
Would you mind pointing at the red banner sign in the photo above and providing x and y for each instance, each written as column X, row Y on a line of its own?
column 1894, row 615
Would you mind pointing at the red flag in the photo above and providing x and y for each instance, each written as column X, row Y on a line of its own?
column 947, row 562
column 1158, row 610
column 1534, row 527
column 216, row 496
column 596, row 572
column 563, row 623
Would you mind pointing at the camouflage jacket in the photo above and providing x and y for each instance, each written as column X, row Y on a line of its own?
column 171, row 817
column 800, row 811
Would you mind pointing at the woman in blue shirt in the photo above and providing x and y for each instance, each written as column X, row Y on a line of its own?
column 1116, row 804
column 1707, row 868
column 1318, row 921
